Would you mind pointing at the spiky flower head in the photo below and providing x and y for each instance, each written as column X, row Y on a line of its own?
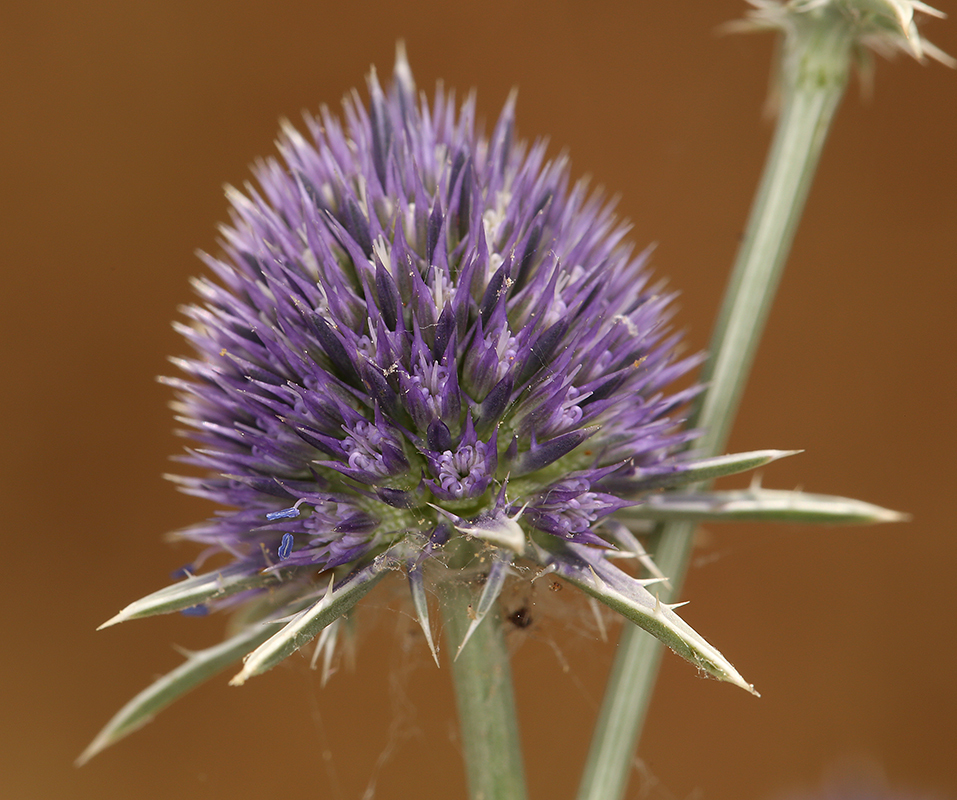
column 423, row 352
column 823, row 37
column 885, row 26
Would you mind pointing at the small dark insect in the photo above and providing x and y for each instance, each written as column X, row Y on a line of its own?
column 520, row 618
column 555, row 586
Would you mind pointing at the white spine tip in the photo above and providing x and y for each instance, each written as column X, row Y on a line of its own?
column 112, row 621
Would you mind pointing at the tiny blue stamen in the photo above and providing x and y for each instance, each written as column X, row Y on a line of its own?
column 286, row 513
column 286, row 547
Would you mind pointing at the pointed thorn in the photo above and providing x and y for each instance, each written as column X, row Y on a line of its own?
column 435, row 653
column 402, row 71
column 421, row 605
column 468, row 635
column 596, row 610
column 549, row 570
column 326, row 645
column 112, row 621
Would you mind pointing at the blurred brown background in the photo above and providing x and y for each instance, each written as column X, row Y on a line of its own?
column 120, row 123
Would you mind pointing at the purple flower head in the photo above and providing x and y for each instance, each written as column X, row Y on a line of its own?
column 421, row 342
column 411, row 318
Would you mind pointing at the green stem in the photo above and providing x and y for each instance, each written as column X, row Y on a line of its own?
column 486, row 701
column 815, row 68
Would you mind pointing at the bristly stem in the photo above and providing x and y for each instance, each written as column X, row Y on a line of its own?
column 485, row 698
column 814, row 75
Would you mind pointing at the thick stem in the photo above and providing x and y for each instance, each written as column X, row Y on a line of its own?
column 814, row 73
column 486, row 702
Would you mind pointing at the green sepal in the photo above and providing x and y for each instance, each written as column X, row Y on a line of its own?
column 198, row 589
column 198, row 667
column 586, row 568
column 335, row 602
column 707, row 469
column 765, row 505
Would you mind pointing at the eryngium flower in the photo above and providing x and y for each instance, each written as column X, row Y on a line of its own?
column 881, row 26
column 425, row 348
